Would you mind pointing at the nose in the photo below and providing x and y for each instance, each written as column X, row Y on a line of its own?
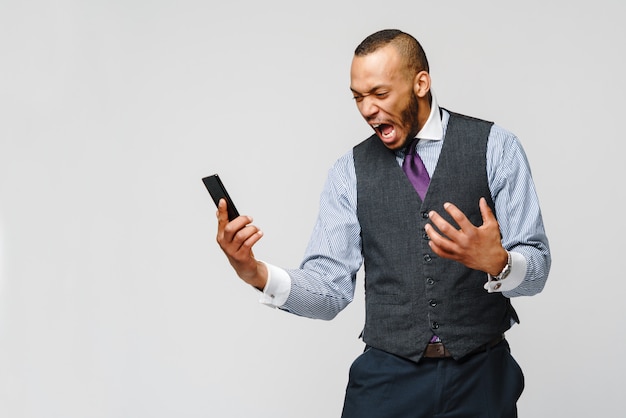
column 368, row 107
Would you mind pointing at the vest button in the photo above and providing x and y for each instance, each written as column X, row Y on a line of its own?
column 430, row 281
column 425, row 215
column 427, row 258
column 434, row 325
column 425, row 236
column 432, row 302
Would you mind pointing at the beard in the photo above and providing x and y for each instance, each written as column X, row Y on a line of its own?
column 408, row 117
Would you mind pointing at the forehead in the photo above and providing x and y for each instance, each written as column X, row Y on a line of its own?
column 381, row 67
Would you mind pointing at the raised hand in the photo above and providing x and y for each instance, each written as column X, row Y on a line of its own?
column 236, row 238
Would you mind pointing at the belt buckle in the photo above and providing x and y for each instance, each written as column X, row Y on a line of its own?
column 436, row 350
column 441, row 350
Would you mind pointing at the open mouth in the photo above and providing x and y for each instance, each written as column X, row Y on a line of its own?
column 385, row 130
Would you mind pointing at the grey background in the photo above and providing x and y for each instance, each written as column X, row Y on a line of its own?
column 115, row 300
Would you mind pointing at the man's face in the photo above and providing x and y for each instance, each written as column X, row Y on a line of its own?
column 383, row 90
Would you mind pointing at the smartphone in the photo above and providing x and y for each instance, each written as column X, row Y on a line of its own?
column 217, row 191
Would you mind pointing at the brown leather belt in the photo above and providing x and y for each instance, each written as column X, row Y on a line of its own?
column 438, row 350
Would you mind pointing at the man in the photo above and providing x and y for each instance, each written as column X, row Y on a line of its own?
column 417, row 203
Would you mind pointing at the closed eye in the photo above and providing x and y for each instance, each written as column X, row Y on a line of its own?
column 377, row 94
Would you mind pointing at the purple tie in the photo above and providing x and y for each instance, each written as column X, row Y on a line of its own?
column 415, row 170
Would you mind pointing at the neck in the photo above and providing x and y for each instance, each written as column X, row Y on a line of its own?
column 423, row 111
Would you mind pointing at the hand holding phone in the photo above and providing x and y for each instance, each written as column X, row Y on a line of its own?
column 217, row 191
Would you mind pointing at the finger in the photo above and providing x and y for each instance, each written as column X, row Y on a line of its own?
column 239, row 225
column 239, row 243
column 433, row 235
column 243, row 234
column 458, row 216
column 447, row 229
column 222, row 222
column 441, row 245
column 486, row 211
column 222, row 213
column 248, row 240
column 227, row 230
column 443, row 252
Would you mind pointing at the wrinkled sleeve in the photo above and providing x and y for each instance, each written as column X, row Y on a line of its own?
column 324, row 283
column 518, row 212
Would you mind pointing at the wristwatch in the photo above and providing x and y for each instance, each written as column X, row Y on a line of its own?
column 505, row 271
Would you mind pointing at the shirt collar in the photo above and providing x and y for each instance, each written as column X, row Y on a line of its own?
column 433, row 128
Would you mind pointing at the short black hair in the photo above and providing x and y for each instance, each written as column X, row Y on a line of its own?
column 408, row 47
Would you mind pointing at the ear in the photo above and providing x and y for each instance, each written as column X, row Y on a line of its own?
column 421, row 84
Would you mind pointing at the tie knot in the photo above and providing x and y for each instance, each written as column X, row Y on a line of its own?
column 410, row 150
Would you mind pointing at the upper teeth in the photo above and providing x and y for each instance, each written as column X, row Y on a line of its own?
column 376, row 125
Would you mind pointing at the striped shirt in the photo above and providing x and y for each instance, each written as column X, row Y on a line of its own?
column 324, row 283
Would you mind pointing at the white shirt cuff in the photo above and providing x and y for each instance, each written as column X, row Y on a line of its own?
column 514, row 279
column 277, row 288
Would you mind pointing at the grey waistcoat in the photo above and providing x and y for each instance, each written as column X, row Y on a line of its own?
column 410, row 292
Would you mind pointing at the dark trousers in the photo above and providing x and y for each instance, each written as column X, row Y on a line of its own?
column 482, row 385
